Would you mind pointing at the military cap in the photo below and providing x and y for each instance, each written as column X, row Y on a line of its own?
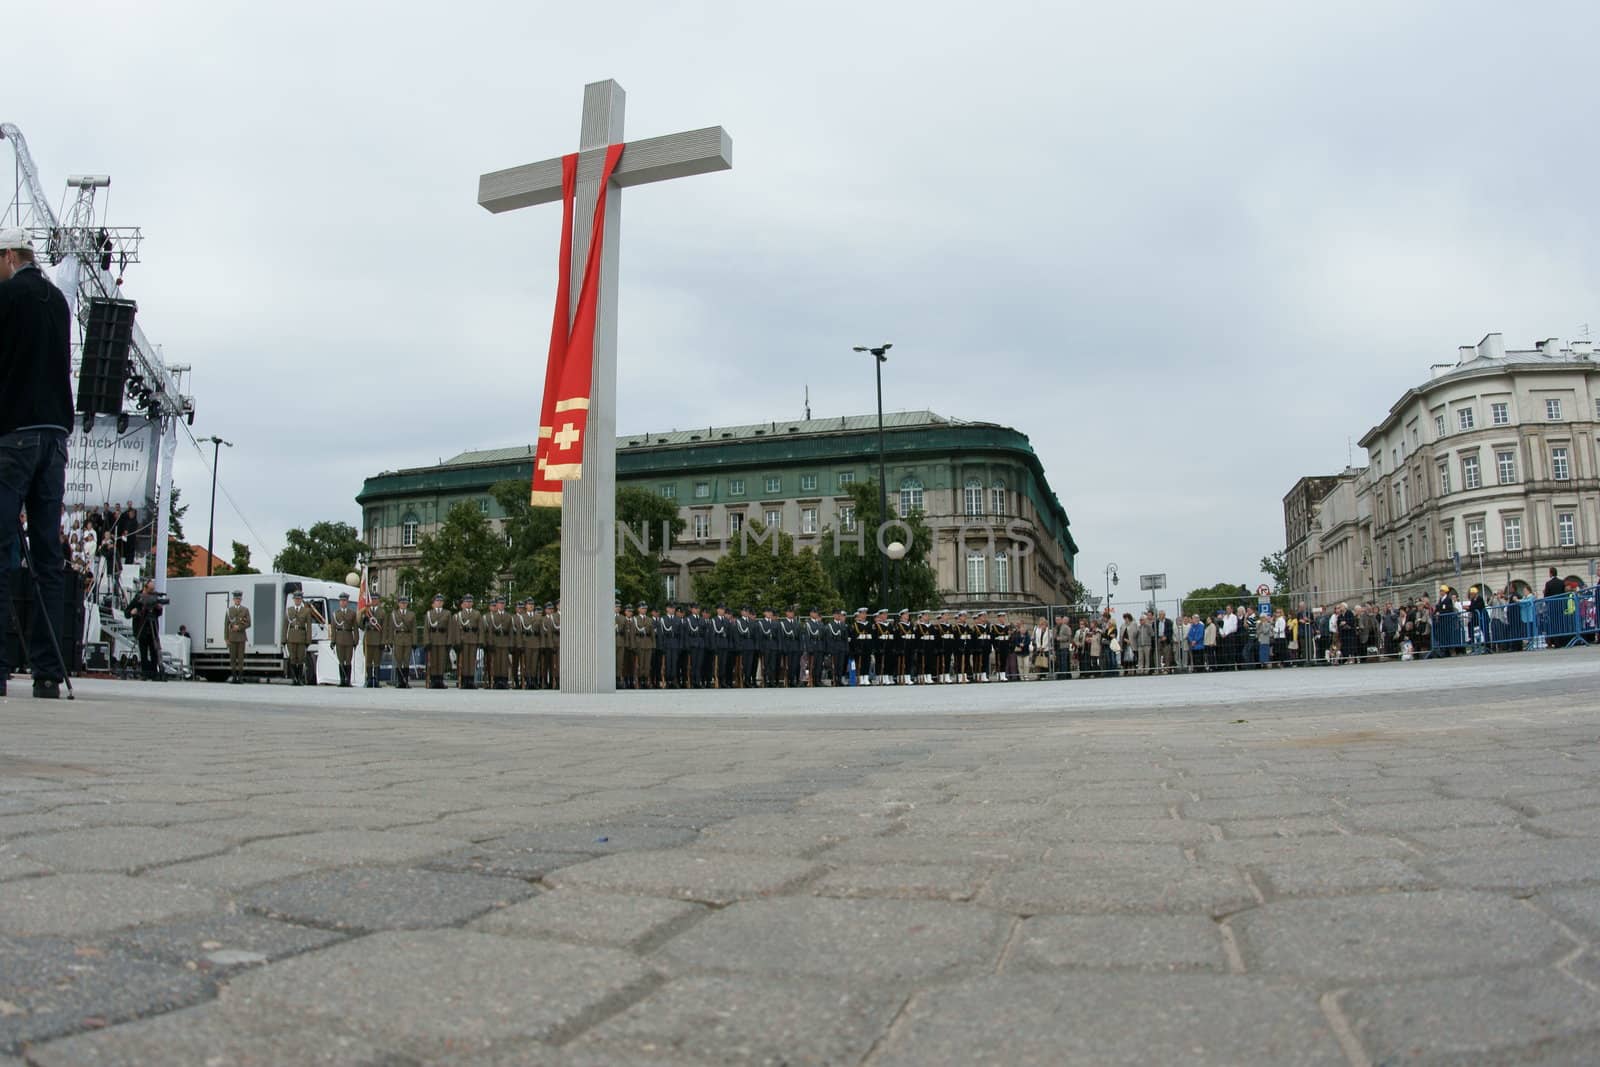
column 549, row 607
column 643, row 606
column 615, row 603
column 498, row 599
column 923, row 612
column 438, row 596
column 722, row 607
column 298, row 594
column 402, row 599
column 466, row 598
column 905, row 611
column 881, row 611
column 344, row 596
column 961, row 614
column 861, row 611
column 815, row 610
column 238, row 593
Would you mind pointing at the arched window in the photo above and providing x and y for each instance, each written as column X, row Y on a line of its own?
column 997, row 498
column 1002, row 573
column 408, row 530
column 910, row 496
column 972, row 497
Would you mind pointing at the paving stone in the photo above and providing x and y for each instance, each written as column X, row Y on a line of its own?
column 1581, row 822
column 1134, row 831
column 1291, row 826
column 1038, row 1020
column 934, row 848
column 489, row 859
column 210, row 1036
column 709, row 877
column 1259, row 850
column 74, row 904
column 1272, row 806
column 1395, row 935
column 1110, row 887
column 588, row 918
column 1477, row 1015
column 231, row 870
column 354, row 846
column 1139, row 942
column 746, row 1020
column 1520, row 867
column 435, row 991
column 217, row 943
column 602, row 839
column 905, row 880
column 125, row 848
column 1580, row 907
column 50, row 986
column 14, row 867
column 1473, row 838
column 1429, row 815
column 790, row 835
column 1319, row 876
column 385, row 898
column 859, row 940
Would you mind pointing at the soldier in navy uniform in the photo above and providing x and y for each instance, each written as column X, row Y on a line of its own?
column 1000, row 642
column 927, row 645
column 671, row 642
column 771, row 650
column 789, row 645
column 982, row 639
column 694, row 648
column 907, row 631
column 720, row 667
column 744, row 642
column 882, row 642
column 815, row 645
column 861, row 643
column 838, row 646
column 944, row 648
column 964, row 643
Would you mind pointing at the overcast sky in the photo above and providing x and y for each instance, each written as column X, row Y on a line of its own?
column 1191, row 250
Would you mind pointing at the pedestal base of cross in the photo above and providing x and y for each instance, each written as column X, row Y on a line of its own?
column 588, row 502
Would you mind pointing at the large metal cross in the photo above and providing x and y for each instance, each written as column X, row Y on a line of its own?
column 588, row 506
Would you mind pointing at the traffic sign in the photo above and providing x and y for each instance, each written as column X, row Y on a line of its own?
column 1152, row 581
column 1263, row 590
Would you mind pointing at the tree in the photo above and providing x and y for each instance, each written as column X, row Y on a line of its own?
column 240, row 564
column 180, row 554
column 752, row 573
column 464, row 555
column 328, row 550
column 856, row 569
column 1208, row 600
column 639, row 579
column 1276, row 567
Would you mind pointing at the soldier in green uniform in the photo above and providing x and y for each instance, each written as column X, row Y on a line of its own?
column 400, row 635
column 344, row 630
column 436, row 632
column 498, row 634
column 552, row 630
column 236, row 628
column 519, row 637
column 466, row 633
column 642, row 640
column 621, row 641
column 296, row 636
column 372, row 635
column 533, row 630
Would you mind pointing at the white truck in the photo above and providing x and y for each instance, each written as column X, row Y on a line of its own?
column 201, row 604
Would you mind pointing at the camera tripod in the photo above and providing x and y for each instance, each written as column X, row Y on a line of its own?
column 44, row 610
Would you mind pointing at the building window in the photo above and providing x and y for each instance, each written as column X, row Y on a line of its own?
column 1450, row 540
column 1475, row 541
column 402, row 588
column 1416, row 438
column 702, row 525
column 1597, row 407
column 1002, row 573
column 1566, row 529
column 1444, row 478
column 672, row 588
column 910, row 497
column 808, row 483
column 1438, row 426
column 977, row 573
column 1500, row 413
column 774, row 485
column 1552, row 409
column 1399, row 501
column 1464, row 417
column 997, row 498
column 972, row 497
column 1558, row 464
column 846, row 478
column 1470, row 478
column 483, row 506
column 772, row 519
column 702, row 490
column 1505, row 466
column 1511, row 526
column 847, row 517
column 735, row 521
column 669, row 492
column 736, row 487
column 408, row 532
column 808, row 520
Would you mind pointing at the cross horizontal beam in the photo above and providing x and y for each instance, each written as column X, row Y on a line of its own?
column 656, row 159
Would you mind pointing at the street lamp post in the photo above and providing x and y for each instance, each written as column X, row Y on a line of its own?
column 881, row 354
column 216, row 452
column 1111, row 580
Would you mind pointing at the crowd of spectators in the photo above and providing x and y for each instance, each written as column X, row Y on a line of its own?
column 98, row 541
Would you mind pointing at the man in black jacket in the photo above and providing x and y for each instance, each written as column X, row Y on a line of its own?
column 35, row 417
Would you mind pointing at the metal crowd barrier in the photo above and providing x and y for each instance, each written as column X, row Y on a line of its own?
column 1546, row 622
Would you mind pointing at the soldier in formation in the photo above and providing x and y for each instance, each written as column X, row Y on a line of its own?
column 236, row 628
column 401, row 635
column 436, row 626
column 344, row 631
column 297, row 636
column 373, row 637
column 466, row 634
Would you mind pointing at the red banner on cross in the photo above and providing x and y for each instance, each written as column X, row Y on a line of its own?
column 569, row 369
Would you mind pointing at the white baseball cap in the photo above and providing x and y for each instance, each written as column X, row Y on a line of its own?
column 15, row 237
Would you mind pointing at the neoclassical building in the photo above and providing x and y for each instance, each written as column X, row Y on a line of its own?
column 1489, row 467
column 1002, row 536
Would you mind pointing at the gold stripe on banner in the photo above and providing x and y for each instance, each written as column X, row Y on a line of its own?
column 565, row 472
column 544, row 431
column 577, row 403
column 542, row 499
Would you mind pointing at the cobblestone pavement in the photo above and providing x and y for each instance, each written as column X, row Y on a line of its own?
column 1380, row 865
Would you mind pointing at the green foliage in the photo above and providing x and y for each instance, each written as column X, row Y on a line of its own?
column 240, row 563
column 180, row 554
column 462, row 556
column 1276, row 567
column 856, row 570
column 328, row 551
column 751, row 573
column 639, row 572
column 1209, row 600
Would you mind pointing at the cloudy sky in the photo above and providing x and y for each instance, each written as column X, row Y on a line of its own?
column 1192, row 250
